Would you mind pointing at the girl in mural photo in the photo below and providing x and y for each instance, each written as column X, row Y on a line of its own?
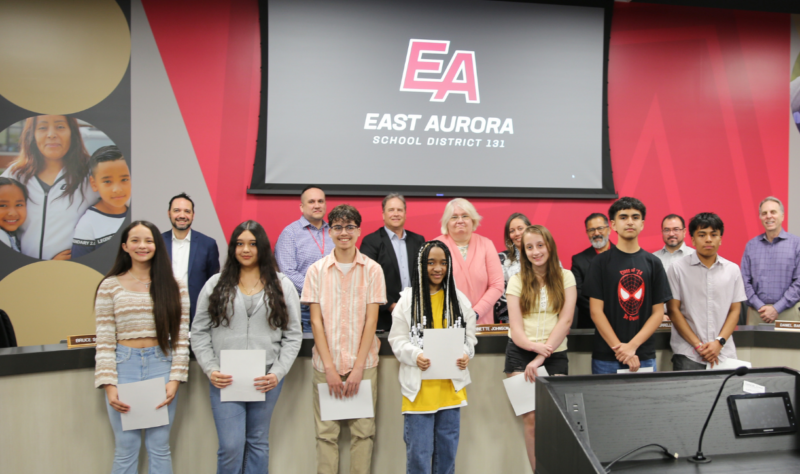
column 431, row 408
column 53, row 164
column 541, row 302
column 13, row 211
column 142, row 321
column 249, row 305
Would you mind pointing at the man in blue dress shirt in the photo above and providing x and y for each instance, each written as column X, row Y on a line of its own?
column 303, row 242
column 771, row 269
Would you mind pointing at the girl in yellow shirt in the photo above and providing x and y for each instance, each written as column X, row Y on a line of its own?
column 431, row 408
column 541, row 302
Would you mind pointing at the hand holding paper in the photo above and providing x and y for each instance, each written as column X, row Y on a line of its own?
column 338, row 408
column 244, row 367
column 143, row 398
column 442, row 347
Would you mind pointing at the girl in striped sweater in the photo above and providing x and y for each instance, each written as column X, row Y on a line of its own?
column 142, row 318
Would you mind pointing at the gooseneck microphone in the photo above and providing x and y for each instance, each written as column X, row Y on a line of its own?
column 699, row 458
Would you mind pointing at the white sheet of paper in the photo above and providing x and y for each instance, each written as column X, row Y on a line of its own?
column 640, row 371
column 750, row 387
column 244, row 366
column 357, row 406
column 143, row 398
column 542, row 372
column 443, row 347
column 730, row 364
column 521, row 394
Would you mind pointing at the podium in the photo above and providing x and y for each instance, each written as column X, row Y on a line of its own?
column 584, row 422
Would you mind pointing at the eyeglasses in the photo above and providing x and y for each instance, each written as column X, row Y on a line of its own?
column 338, row 229
column 455, row 218
column 674, row 230
column 596, row 229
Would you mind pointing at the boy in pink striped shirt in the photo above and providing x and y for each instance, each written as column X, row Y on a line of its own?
column 344, row 291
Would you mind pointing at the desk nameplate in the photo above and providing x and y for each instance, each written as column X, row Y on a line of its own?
column 485, row 329
column 87, row 340
column 787, row 326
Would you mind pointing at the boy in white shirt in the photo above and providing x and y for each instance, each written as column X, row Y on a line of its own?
column 111, row 177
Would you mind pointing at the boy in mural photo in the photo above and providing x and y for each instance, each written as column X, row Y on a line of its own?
column 111, row 178
column 13, row 210
column 627, row 287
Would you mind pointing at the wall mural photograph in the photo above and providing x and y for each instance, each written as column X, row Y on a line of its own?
column 65, row 187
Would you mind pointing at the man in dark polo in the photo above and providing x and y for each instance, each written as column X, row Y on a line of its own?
column 396, row 250
column 597, row 230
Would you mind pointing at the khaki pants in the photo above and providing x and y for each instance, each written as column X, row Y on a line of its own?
column 791, row 314
column 362, row 432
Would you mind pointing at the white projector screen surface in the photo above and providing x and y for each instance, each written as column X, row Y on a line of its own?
column 433, row 95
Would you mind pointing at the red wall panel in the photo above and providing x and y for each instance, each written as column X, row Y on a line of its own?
column 697, row 113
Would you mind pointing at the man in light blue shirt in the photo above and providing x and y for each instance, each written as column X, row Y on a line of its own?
column 303, row 242
column 396, row 250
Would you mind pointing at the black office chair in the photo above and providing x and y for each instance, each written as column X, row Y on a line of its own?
column 7, row 336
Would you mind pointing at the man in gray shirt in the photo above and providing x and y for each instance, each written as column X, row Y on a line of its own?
column 707, row 292
column 673, row 231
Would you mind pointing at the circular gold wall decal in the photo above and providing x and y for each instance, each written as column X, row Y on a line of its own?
column 61, row 57
column 48, row 301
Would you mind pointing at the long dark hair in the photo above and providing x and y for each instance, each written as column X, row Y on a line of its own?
column 224, row 293
column 31, row 162
column 553, row 279
column 421, row 293
column 512, row 254
column 164, row 289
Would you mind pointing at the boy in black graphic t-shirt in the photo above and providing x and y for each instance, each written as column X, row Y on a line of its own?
column 627, row 287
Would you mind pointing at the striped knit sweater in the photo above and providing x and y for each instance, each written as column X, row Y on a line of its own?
column 122, row 314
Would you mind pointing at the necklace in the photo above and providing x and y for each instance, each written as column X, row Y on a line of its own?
column 146, row 284
column 252, row 290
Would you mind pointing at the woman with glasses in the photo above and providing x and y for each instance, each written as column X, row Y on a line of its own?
column 478, row 272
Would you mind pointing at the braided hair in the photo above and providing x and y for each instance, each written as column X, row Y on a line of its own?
column 421, row 294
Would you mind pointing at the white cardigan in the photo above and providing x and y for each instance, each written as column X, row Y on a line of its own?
column 407, row 353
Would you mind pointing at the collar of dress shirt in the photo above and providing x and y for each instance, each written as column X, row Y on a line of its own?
column 360, row 259
column 304, row 223
column 188, row 237
column 782, row 236
column 695, row 260
column 664, row 249
column 393, row 236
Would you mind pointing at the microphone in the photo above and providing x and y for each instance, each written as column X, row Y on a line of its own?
column 699, row 458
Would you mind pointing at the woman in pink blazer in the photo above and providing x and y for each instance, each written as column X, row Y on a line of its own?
column 476, row 265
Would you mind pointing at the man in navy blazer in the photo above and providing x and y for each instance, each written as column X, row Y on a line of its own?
column 396, row 250
column 195, row 257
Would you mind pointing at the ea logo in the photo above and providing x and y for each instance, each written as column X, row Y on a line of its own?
column 460, row 76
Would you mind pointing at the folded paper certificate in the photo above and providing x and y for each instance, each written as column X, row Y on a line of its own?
column 521, row 394
column 143, row 398
column 244, row 366
column 443, row 347
column 729, row 364
column 640, row 371
column 346, row 408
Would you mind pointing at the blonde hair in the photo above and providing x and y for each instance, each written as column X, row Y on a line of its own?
column 449, row 209
column 553, row 279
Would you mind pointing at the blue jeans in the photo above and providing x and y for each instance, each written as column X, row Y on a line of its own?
column 135, row 365
column 243, row 432
column 611, row 366
column 432, row 436
column 305, row 317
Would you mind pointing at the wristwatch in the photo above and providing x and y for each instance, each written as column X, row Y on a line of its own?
column 721, row 341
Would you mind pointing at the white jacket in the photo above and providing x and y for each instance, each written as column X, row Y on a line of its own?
column 51, row 220
column 407, row 353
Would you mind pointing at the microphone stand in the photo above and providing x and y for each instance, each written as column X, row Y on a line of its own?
column 699, row 458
